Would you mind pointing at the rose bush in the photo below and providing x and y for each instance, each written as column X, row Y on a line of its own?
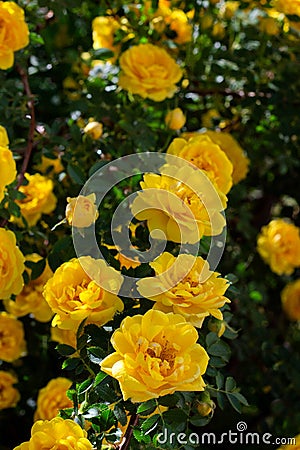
column 189, row 323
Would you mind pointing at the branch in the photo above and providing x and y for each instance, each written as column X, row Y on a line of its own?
column 128, row 434
column 30, row 104
column 28, row 150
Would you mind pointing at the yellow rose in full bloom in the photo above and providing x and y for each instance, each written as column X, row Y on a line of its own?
column 11, row 265
column 4, row 141
column 9, row 395
column 8, row 170
column 175, row 119
column 12, row 343
column 293, row 445
column 39, row 198
column 156, row 354
column 31, row 300
column 206, row 155
column 56, row 433
column 290, row 300
column 73, row 296
column 233, row 151
column 184, row 214
column 52, row 398
column 183, row 293
column 81, row 211
column 14, row 32
column 149, row 71
column 289, row 7
column 279, row 246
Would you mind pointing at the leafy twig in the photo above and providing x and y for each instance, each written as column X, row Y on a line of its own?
column 30, row 144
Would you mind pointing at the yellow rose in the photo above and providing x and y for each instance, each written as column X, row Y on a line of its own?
column 182, row 213
column 11, row 265
column 175, row 119
column 12, row 343
column 4, row 141
column 218, row 30
column 234, row 153
column 104, row 29
column 94, row 129
column 149, row 71
column 67, row 337
column 49, row 165
column 206, row 155
column 56, row 433
column 81, row 211
column 73, row 296
column 185, row 294
column 269, row 26
column 293, row 445
column 8, row 170
column 279, row 246
column 156, row 354
column 9, row 396
column 39, row 198
column 52, row 398
column 31, row 300
column 289, row 7
column 178, row 22
column 290, row 300
column 14, row 32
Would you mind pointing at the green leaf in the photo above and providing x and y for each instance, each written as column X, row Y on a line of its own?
column 140, row 437
column 220, row 349
column 76, row 174
column 220, row 380
column 102, row 53
column 230, row 384
column 147, row 407
column 99, row 378
column 120, row 414
column 85, row 386
column 65, row 350
column 235, row 403
column 70, row 363
column 211, row 338
column 221, row 400
column 241, row 398
column 150, row 424
column 37, row 268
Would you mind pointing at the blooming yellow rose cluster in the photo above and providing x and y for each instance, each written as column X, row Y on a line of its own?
column 279, row 246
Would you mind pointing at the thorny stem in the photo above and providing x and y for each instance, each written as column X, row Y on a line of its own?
column 128, row 433
column 28, row 150
column 30, row 104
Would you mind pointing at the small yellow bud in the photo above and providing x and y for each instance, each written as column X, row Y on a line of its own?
column 94, row 129
column 175, row 119
column 204, row 409
column 81, row 211
column 217, row 326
